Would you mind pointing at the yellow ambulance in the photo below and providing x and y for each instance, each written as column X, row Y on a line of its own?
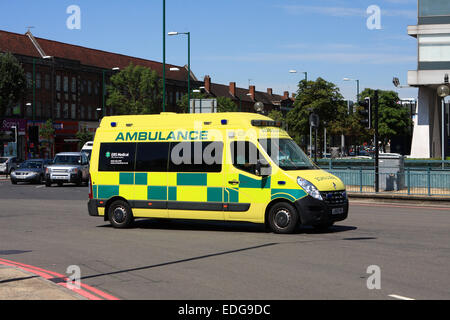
column 215, row 166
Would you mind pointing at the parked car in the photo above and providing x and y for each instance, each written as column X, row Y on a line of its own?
column 87, row 149
column 68, row 167
column 32, row 170
column 8, row 165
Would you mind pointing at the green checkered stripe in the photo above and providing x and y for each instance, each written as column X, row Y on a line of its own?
column 214, row 194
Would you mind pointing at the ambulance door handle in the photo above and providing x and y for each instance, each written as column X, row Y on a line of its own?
column 233, row 182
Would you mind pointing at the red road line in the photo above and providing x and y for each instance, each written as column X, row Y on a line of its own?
column 46, row 274
column 397, row 206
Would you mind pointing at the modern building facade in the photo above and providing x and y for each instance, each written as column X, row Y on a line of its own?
column 431, row 128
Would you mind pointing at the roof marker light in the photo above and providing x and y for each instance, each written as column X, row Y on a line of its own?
column 113, row 124
column 224, row 122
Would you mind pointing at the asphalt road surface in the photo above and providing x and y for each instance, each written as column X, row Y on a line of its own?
column 50, row 228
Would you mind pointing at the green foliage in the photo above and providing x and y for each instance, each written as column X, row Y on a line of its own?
column 394, row 119
column 84, row 136
column 47, row 131
column 276, row 115
column 225, row 104
column 135, row 90
column 324, row 99
column 12, row 81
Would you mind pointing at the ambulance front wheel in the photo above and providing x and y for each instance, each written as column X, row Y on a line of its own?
column 120, row 215
column 283, row 218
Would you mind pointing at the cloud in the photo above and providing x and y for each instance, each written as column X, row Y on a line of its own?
column 345, row 11
column 330, row 57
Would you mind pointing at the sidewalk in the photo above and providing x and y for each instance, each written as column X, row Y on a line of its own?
column 384, row 197
column 17, row 284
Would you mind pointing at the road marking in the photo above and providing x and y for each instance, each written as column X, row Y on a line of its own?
column 40, row 186
column 400, row 297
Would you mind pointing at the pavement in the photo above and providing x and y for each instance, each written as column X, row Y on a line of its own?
column 18, row 284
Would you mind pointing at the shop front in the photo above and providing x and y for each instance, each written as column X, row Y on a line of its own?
column 13, row 138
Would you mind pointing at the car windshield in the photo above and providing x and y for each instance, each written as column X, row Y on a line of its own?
column 287, row 154
column 31, row 165
column 3, row 160
column 67, row 159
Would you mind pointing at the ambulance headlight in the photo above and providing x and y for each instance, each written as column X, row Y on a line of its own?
column 309, row 188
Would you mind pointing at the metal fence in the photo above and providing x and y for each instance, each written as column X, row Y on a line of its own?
column 410, row 181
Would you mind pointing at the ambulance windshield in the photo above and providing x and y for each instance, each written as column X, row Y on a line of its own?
column 287, row 154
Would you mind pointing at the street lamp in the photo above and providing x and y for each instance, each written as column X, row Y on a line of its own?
column 304, row 72
column 103, row 88
column 357, row 87
column 443, row 91
column 175, row 33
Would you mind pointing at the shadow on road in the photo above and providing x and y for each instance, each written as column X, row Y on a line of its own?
column 178, row 261
column 194, row 225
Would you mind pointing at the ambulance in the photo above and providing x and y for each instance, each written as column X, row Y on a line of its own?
column 215, row 166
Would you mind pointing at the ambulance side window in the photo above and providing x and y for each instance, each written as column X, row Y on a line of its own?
column 196, row 156
column 152, row 157
column 117, row 157
column 245, row 156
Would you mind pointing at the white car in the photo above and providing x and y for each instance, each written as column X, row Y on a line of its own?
column 8, row 165
column 87, row 149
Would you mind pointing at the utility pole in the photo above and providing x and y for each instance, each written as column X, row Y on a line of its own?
column 377, row 171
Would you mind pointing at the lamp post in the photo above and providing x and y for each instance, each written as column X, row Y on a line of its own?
column 174, row 33
column 304, row 72
column 164, row 55
column 443, row 91
column 357, row 87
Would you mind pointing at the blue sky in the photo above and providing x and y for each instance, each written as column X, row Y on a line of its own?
column 233, row 40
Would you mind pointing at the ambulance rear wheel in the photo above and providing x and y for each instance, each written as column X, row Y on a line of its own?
column 283, row 218
column 120, row 215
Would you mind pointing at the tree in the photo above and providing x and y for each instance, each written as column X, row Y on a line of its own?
column 12, row 81
column 47, row 132
column 225, row 104
column 276, row 115
column 84, row 136
column 135, row 90
column 393, row 119
column 321, row 97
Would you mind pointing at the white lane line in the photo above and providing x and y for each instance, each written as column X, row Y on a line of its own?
column 400, row 297
column 40, row 186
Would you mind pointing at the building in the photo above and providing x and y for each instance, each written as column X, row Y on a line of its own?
column 66, row 83
column 245, row 99
column 433, row 69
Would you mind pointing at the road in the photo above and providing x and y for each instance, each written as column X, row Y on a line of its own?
column 50, row 228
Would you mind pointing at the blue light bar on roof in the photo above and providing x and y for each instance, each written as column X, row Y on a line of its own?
column 113, row 124
column 224, row 122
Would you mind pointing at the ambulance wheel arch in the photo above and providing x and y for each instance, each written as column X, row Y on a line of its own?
column 281, row 216
column 119, row 213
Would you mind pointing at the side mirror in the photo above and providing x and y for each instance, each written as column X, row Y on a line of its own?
column 263, row 169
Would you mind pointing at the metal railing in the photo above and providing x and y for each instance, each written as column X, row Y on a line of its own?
column 430, row 182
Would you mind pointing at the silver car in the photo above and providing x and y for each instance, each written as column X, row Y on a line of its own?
column 68, row 167
column 8, row 165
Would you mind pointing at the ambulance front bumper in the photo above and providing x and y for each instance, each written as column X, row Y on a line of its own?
column 333, row 208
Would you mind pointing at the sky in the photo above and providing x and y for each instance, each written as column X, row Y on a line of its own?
column 252, row 42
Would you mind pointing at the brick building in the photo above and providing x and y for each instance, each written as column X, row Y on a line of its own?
column 67, row 83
